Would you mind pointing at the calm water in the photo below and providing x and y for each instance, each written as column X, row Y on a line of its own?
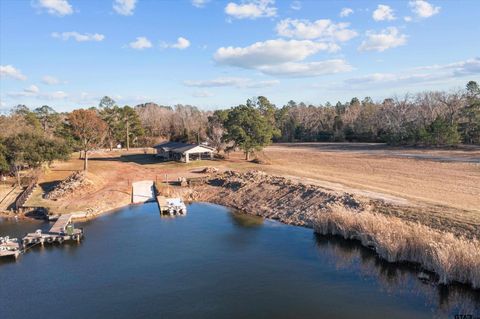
column 213, row 264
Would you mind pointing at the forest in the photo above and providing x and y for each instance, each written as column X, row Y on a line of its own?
column 30, row 137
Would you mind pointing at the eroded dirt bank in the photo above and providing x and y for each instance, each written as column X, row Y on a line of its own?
column 258, row 193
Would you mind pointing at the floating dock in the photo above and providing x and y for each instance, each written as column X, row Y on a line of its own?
column 9, row 247
column 171, row 206
column 61, row 231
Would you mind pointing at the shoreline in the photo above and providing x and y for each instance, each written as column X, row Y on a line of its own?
column 278, row 198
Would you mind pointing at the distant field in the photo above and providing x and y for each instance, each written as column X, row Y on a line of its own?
column 431, row 176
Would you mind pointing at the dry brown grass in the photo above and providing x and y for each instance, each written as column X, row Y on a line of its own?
column 453, row 259
column 382, row 172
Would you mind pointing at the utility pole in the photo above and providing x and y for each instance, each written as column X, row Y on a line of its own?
column 128, row 138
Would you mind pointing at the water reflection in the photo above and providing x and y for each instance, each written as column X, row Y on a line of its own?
column 349, row 255
column 247, row 221
column 215, row 264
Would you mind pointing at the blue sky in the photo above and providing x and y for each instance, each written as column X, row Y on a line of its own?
column 216, row 54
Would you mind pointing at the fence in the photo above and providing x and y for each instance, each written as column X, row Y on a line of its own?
column 26, row 193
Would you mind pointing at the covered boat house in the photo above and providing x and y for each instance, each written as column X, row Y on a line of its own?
column 183, row 152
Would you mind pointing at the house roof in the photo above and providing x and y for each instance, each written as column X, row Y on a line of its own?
column 171, row 145
column 179, row 147
column 191, row 147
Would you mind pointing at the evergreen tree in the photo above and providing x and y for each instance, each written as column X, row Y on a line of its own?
column 48, row 119
column 248, row 129
column 470, row 122
column 112, row 116
column 130, row 125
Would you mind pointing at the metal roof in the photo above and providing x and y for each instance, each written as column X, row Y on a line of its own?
column 172, row 145
column 179, row 147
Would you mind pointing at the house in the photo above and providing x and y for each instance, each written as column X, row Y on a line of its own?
column 183, row 152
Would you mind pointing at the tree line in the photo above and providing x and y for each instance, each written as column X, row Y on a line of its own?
column 425, row 119
column 428, row 118
column 31, row 137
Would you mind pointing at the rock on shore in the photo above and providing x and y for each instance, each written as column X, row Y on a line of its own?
column 77, row 182
column 274, row 197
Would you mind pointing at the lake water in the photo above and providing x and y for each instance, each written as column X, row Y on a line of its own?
column 213, row 263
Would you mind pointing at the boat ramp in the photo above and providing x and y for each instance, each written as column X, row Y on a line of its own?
column 145, row 191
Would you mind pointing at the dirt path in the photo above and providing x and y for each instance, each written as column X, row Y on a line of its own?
column 8, row 195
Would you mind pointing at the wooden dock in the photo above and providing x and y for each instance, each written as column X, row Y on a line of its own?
column 61, row 223
column 61, row 231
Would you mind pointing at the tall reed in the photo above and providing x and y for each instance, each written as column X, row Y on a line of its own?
column 453, row 259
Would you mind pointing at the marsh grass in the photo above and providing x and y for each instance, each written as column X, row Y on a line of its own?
column 453, row 259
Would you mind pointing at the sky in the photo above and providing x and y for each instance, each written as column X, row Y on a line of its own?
column 216, row 54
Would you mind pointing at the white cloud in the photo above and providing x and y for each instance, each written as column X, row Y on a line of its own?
column 322, row 29
column 8, row 71
column 124, row 7
column 307, row 69
column 55, row 7
column 423, row 9
column 271, row 52
column 296, row 5
column 261, row 84
column 387, row 78
column 460, row 68
column 282, row 58
column 407, row 18
column 251, row 9
column 50, row 80
column 385, row 39
column 78, row 36
column 181, row 44
column 383, row 12
column 32, row 89
column 34, row 92
column 346, row 12
column 57, row 95
column 468, row 67
column 140, row 43
column 202, row 94
column 424, row 74
column 232, row 82
column 199, row 3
